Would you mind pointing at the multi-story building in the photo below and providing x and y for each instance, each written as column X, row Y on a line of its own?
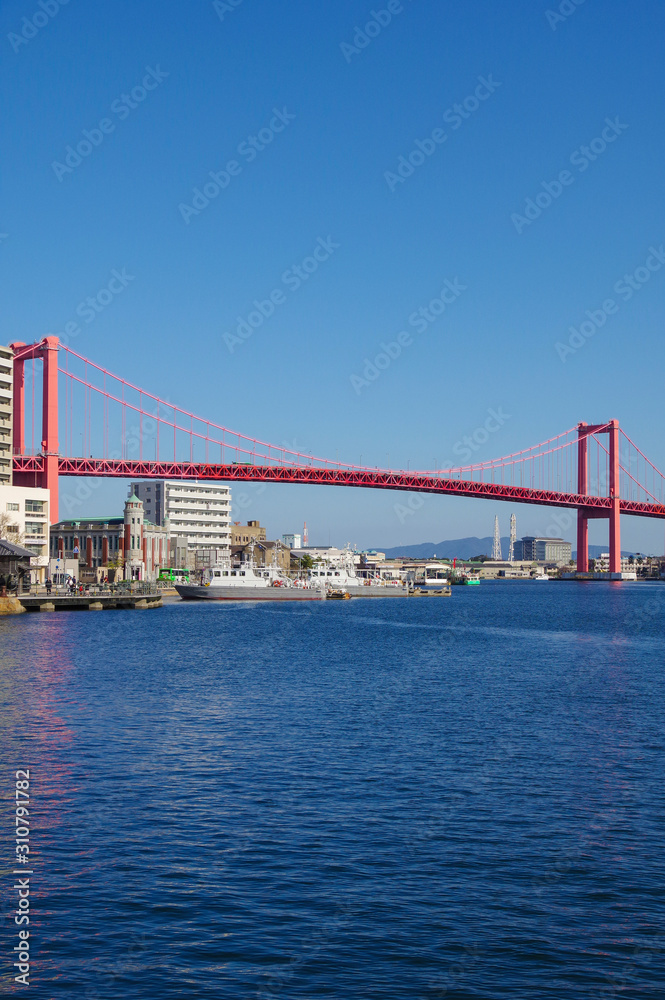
column 197, row 514
column 262, row 554
column 6, row 414
column 544, row 550
column 243, row 534
column 24, row 520
column 601, row 563
column 292, row 541
column 129, row 544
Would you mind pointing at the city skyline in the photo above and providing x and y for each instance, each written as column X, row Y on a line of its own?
column 515, row 253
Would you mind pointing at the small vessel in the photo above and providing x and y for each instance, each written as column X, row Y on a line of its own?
column 247, row 583
column 343, row 576
column 431, row 575
column 541, row 576
column 335, row 594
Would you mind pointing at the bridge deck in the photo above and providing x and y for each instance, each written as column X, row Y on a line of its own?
column 412, row 482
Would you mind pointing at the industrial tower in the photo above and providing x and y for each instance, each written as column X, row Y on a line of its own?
column 513, row 538
column 496, row 548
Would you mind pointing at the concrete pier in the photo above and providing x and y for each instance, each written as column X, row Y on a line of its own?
column 90, row 602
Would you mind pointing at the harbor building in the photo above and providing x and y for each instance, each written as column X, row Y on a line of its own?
column 129, row 545
column 243, row 534
column 262, row 554
column 543, row 550
column 198, row 515
column 292, row 541
column 249, row 543
column 24, row 518
column 6, row 414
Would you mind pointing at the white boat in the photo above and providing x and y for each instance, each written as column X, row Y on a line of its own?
column 541, row 577
column 435, row 576
column 343, row 576
column 248, row 583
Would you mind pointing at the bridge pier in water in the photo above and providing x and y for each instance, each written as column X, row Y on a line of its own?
column 585, row 513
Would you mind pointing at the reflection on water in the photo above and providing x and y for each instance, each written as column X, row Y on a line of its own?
column 405, row 799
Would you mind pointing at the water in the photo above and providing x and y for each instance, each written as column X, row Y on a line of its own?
column 430, row 798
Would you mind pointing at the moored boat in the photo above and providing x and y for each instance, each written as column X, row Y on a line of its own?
column 247, row 583
column 343, row 576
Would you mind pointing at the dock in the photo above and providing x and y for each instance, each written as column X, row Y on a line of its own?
column 90, row 602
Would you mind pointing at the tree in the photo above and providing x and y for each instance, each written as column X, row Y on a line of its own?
column 9, row 530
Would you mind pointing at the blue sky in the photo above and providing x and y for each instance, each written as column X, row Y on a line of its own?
column 539, row 89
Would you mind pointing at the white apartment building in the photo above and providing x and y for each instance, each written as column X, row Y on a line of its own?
column 6, row 414
column 24, row 517
column 602, row 564
column 292, row 541
column 197, row 514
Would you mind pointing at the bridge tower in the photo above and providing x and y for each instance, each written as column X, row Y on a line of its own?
column 583, row 512
column 47, row 351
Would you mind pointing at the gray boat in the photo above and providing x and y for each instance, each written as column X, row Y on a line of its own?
column 248, row 583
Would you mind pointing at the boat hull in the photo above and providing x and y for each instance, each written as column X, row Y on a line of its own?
column 212, row 593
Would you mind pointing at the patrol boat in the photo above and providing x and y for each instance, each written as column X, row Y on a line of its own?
column 248, row 583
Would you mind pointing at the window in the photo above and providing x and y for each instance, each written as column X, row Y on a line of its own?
column 13, row 506
column 33, row 528
column 34, row 506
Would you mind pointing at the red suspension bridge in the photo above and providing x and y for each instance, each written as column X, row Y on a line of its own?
column 122, row 430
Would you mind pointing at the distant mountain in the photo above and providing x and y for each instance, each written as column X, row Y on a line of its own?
column 462, row 548
column 467, row 548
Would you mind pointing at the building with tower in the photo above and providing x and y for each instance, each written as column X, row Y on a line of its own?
column 129, row 545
